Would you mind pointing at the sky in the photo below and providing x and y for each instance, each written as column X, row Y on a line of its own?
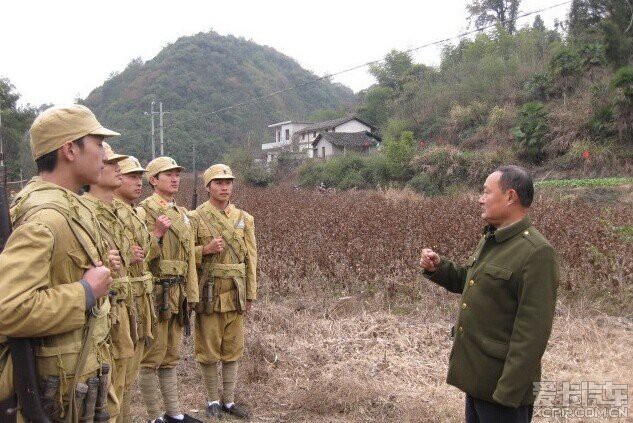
column 56, row 51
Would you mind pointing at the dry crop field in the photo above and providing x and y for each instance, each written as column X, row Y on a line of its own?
column 345, row 329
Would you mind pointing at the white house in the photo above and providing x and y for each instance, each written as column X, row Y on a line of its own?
column 283, row 138
column 328, row 144
column 299, row 136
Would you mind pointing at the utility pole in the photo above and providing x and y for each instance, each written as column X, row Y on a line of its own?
column 151, row 113
column 160, row 114
column 160, row 120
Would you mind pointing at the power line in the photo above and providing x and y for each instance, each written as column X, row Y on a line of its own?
column 257, row 99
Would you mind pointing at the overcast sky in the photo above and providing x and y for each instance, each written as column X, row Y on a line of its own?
column 54, row 51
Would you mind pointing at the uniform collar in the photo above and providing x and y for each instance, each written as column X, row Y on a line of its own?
column 227, row 211
column 508, row 232
column 161, row 201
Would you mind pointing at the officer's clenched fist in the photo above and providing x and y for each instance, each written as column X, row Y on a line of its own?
column 430, row 260
column 99, row 279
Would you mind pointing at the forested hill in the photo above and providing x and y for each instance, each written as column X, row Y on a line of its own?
column 198, row 74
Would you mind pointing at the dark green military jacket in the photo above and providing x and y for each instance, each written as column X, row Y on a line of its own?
column 505, row 318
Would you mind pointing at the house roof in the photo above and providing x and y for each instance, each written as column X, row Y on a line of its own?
column 274, row 125
column 331, row 124
column 349, row 139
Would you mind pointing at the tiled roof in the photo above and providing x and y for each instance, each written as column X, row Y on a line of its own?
column 330, row 124
column 349, row 139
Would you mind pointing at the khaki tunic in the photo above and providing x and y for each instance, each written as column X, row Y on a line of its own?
column 141, row 281
column 508, row 289
column 174, row 258
column 55, row 240
column 114, row 234
column 219, row 329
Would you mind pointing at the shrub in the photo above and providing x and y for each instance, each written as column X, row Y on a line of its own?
column 257, row 176
column 539, row 87
column 424, row 184
column 310, row 174
column 531, row 131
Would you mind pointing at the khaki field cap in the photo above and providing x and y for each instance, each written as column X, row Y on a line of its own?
column 217, row 171
column 161, row 164
column 111, row 156
column 131, row 165
column 58, row 125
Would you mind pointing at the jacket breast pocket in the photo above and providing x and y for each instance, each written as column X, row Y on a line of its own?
column 496, row 274
column 78, row 259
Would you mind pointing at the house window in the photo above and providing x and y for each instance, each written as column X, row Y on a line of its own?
column 323, row 151
column 314, row 134
column 287, row 134
column 303, row 137
column 333, row 129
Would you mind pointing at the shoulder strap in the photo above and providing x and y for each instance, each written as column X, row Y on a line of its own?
column 229, row 233
column 81, row 362
column 71, row 224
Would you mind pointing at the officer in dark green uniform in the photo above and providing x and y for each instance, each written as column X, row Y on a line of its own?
column 508, row 289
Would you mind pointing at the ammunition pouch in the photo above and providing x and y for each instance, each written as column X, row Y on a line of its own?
column 236, row 272
column 121, row 288
column 173, row 267
column 142, row 285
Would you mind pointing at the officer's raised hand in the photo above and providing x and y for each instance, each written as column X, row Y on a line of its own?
column 430, row 260
column 114, row 258
column 162, row 225
column 99, row 279
column 214, row 246
column 137, row 254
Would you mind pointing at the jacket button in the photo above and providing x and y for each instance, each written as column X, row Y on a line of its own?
column 461, row 329
column 464, row 306
column 471, row 282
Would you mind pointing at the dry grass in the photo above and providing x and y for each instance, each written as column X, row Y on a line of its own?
column 339, row 339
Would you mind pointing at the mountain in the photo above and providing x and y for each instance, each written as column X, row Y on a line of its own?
column 199, row 74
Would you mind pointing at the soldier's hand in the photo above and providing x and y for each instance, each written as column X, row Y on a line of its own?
column 162, row 225
column 249, row 305
column 137, row 254
column 114, row 259
column 430, row 260
column 215, row 246
column 99, row 279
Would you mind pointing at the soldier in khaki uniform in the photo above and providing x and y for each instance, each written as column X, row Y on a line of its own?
column 100, row 198
column 508, row 289
column 141, row 280
column 175, row 286
column 54, row 285
column 226, row 255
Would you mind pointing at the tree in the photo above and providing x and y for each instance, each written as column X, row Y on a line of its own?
column 15, row 124
column 622, row 82
column 539, row 23
column 486, row 12
column 566, row 66
column 398, row 69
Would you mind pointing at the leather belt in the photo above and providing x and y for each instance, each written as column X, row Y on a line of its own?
column 174, row 280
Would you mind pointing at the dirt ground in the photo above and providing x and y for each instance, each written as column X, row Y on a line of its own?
column 353, row 360
column 351, row 333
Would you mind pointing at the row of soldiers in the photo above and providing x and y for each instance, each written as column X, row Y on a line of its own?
column 105, row 290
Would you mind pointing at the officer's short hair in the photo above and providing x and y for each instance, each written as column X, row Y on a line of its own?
column 48, row 162
column 518, row 179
